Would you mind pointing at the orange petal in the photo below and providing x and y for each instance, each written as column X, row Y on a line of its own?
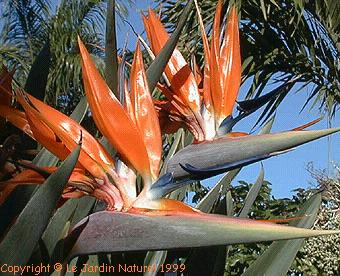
column 92, row 156
column 70, row 192
column 231, row 67
column 174, row 98
column 111, row 118
column 282, row 220
column 29, row 176
column 307, row 125
column 26, row 177
column 215, row 40
column 216, row 82
column 145, row 113
column 198, row 75
column 162, row 206
column 236, row 134
column 41, row 132
column 78, row 176
column 178, row 71
column 183, row 93
column 128, row 105
column 167, row 125
column 17, row 118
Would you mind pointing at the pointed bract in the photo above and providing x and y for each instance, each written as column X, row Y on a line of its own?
column 41, row 132
column 111, row 118
column 93, row 156
column 145, row 113
column 231, row 66
column 307, row 125
column 216, row 82
column 177, row 71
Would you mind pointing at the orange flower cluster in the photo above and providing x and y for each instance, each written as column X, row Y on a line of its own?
column 196, row 100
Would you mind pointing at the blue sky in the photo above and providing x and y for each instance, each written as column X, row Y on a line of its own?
column 286, row 172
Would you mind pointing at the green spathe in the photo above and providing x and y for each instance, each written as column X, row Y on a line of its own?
column 123, row 232
column 228, row 150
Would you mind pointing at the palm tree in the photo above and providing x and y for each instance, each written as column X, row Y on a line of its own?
column 286, row 42
column 23, row 32
column 28, row 26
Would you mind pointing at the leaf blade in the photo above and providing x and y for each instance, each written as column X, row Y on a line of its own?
column 277, row 259
column 35, row 216
column 252, row 195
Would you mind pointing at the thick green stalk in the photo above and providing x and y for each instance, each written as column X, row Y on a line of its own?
column 111, row 62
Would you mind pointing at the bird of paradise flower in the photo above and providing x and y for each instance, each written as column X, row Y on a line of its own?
column 133, row 130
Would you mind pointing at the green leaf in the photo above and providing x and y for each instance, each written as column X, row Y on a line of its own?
column 54, row 229
column 45, row 158
column 229, row 204
column 157, row 66
column 277, row 259
column 220, row 188
column 123, row 232
column 222, row 153
column 64, row 246
column 175, row 146
column 156, row 259
column 80, row 110
column 35, row 85
column 84, row 207
column 72, row 211
column 214, row 261
column 13, row 205
column 252, row 195
column 32, row 221
column 263, row 8
column 111, row 62
column 37, row 78
column 214, row 256
column 268, row 126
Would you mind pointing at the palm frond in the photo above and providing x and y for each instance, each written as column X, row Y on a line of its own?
column 27, row 24
column 24, row 24
column 73, row 18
